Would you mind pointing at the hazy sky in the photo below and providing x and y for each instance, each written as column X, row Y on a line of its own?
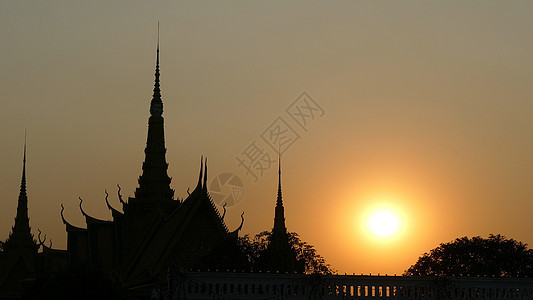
column 427, row 108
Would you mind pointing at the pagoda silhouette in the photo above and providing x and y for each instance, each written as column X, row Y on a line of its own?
column 279, row 255
column 18, row 258
column 153, row 231
column 150, row 235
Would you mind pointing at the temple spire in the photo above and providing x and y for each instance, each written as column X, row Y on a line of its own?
column 280, row 255
column 21, row 233
column 154, row 183
column 279, row 201
column 23, row 181
column 279, row 217
column 156, row 105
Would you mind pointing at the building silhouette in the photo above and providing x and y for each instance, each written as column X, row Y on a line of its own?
column 151, row 233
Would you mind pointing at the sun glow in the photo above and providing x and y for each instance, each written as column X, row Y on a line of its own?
column 383, row 223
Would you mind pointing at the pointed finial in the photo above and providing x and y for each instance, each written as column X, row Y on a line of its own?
column 279, row 167
column 279, row 170
column 157, row 59
column 279, row 201
column 156, row 105
column 23, row 180
column 24, row 146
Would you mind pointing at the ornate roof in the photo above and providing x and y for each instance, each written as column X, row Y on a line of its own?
column 69, row 227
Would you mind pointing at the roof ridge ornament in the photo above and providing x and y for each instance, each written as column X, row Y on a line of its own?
column 199, row 185
column 111, row 208
column 107, row 201
column 62, row 216
column 119, row 195
column 205, row 175
column 81, row 208
column 235, row 232
column 224, row 213
column 41, row 242
column 69, row 226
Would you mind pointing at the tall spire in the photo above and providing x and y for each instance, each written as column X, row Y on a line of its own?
column 279, row 255
column 279, row 217
column 23, row 180
column 279, row 201
column 154, row 183
column 21, row 233
column 156, row 105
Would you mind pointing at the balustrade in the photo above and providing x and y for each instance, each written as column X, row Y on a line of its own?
column 214, row 285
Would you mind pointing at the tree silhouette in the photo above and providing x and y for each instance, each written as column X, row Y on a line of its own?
column 252, row 254
column 307, row 258
column 495, row 256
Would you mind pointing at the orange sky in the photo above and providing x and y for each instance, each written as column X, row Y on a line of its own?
column 427, row 108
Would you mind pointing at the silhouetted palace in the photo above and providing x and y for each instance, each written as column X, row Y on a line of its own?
column 154, row 241
column 154, row 231
column 151, row 233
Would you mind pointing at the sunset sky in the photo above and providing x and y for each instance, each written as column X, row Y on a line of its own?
column 426, row 109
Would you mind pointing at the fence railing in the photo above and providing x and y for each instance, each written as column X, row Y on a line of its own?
column 227, row 285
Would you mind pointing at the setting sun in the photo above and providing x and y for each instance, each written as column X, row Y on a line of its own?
column 383, row 223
